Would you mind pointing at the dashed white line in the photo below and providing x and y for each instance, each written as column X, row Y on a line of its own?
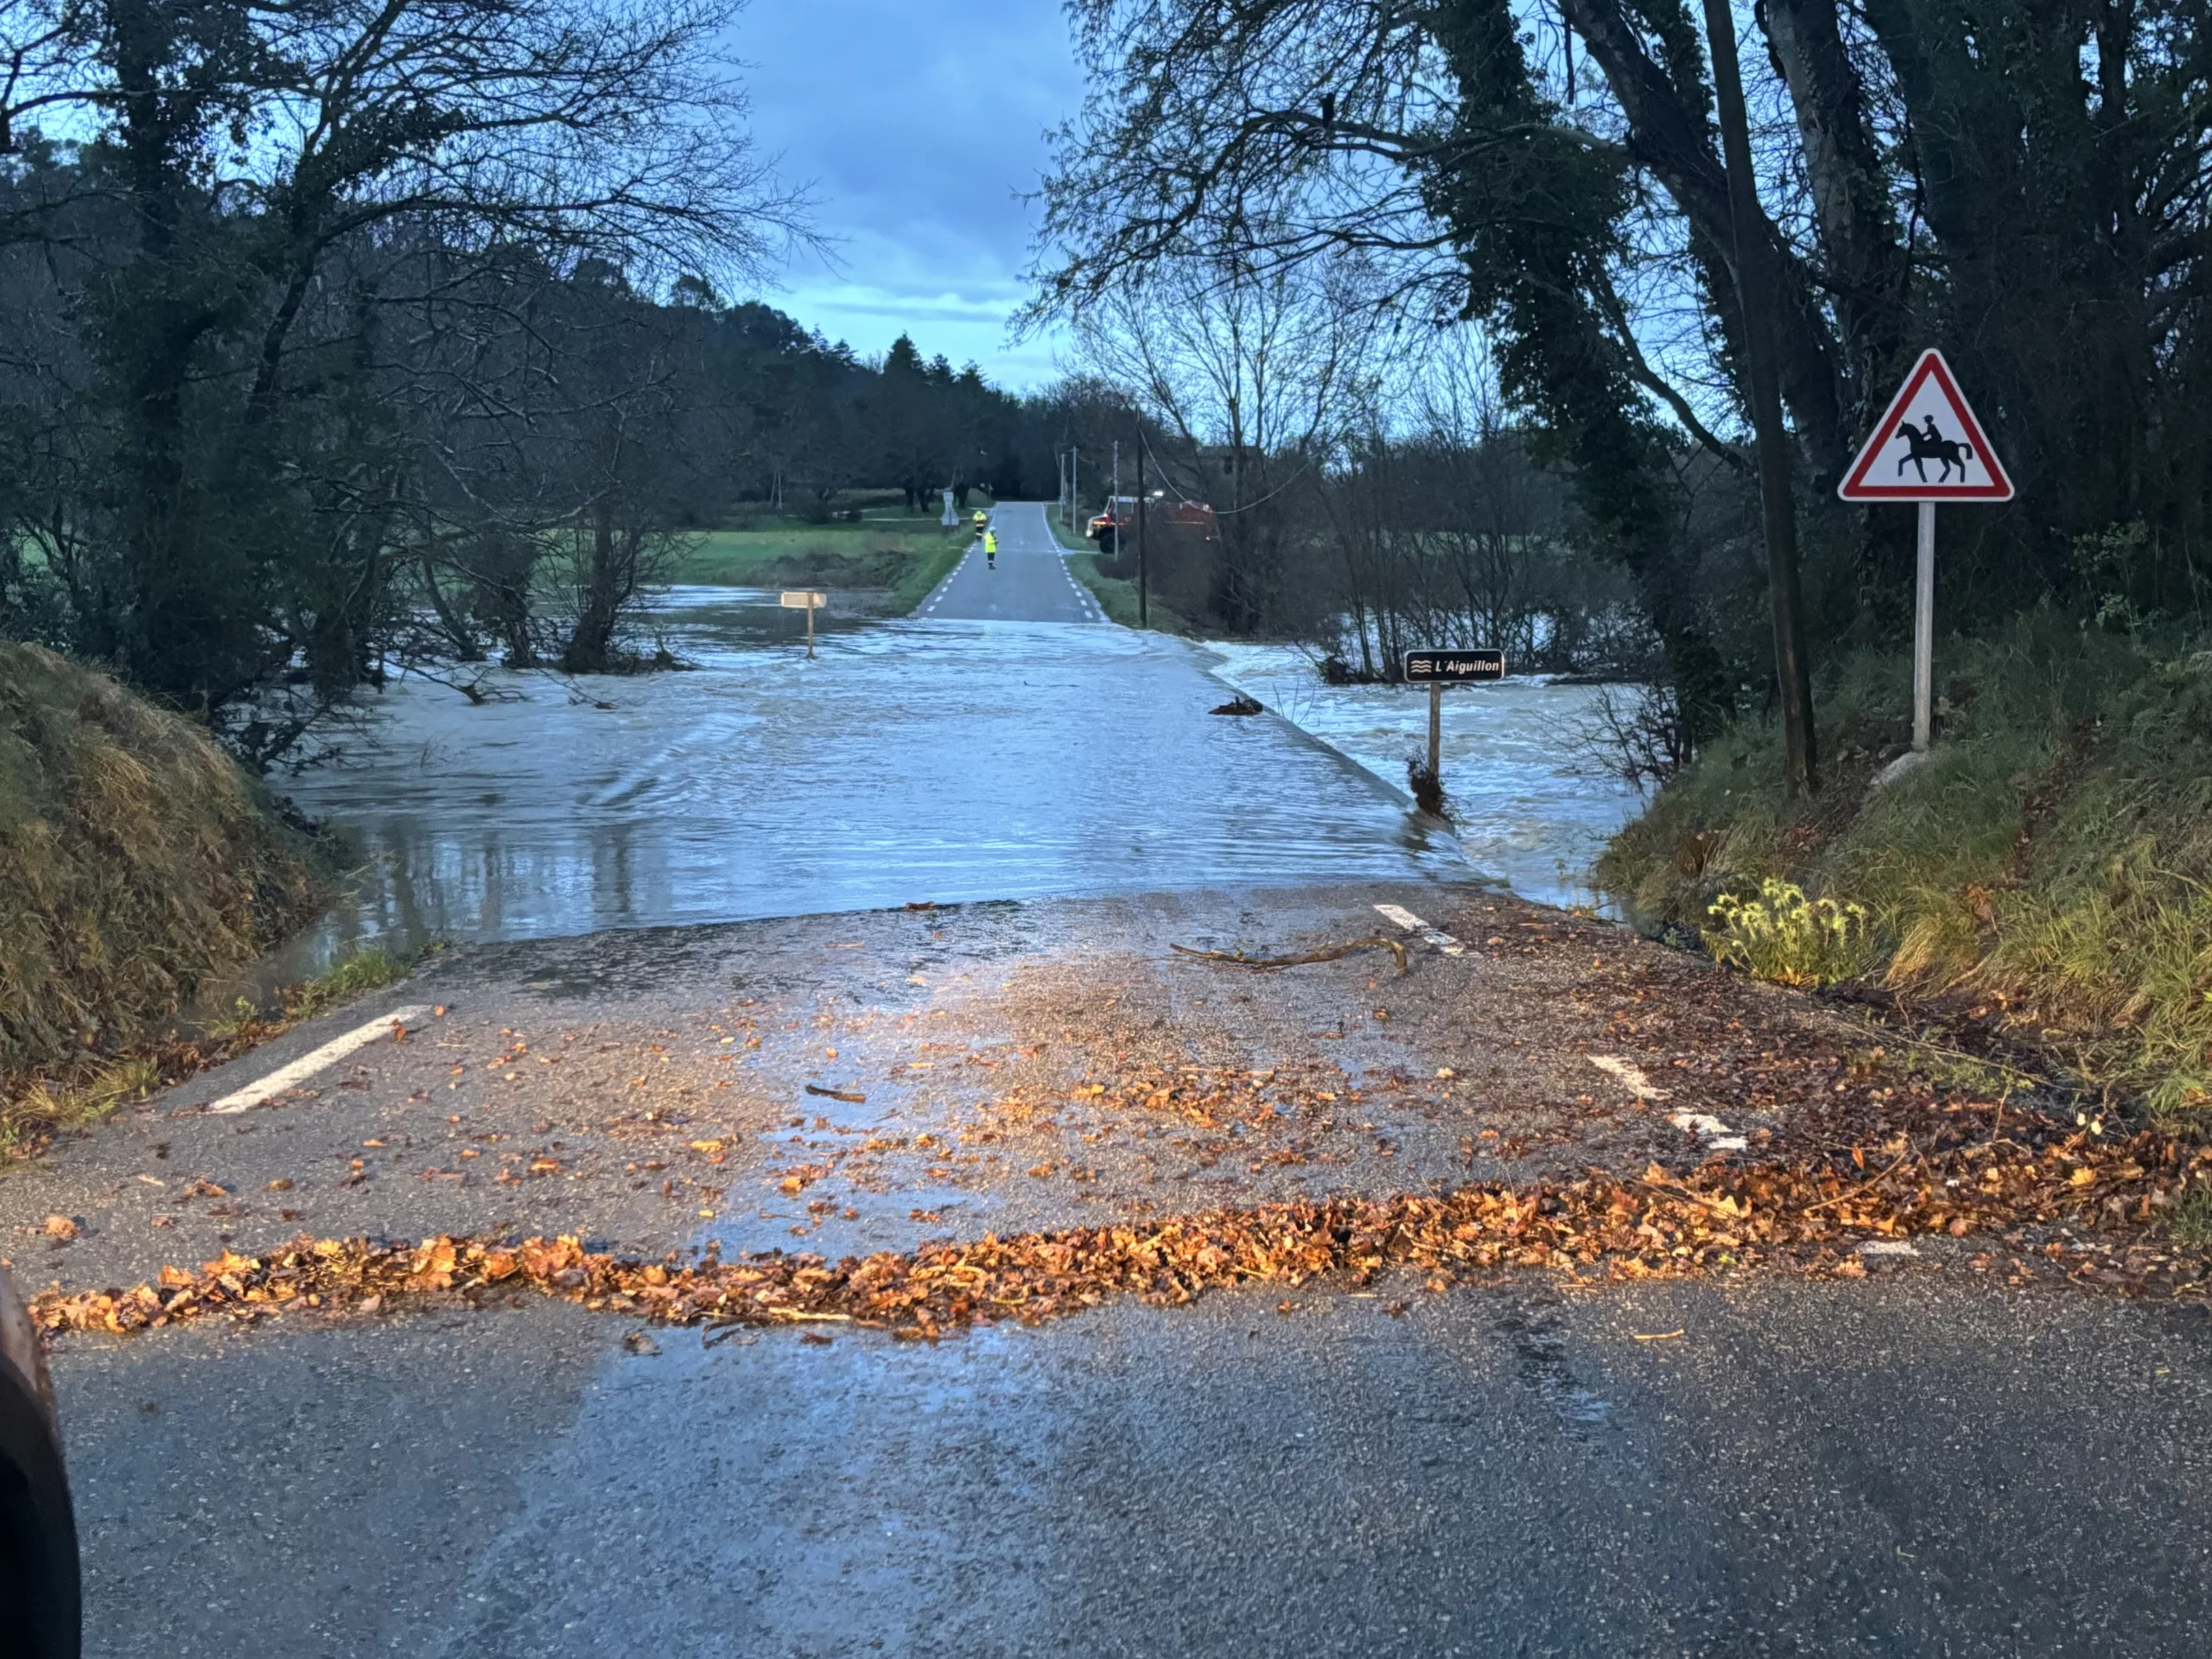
column 290, row 1076
column 1630, row 1075
column 1887, row 1247
column 1718, row 1137
column 1413, row 924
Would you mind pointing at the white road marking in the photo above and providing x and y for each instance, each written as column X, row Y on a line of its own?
column 1413, row 924
column 1718, row 1137
column 1633, row 1078
column 291, row 1076
column 1887, row 1247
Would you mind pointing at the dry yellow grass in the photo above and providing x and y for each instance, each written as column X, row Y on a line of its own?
column 136, row 861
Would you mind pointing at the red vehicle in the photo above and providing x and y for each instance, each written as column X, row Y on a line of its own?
column 1110, row 526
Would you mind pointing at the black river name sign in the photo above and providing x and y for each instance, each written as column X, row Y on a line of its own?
column 1435, row 667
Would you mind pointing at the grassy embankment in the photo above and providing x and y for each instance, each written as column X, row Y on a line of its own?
column 137, row 866
column 1116, row 596
column 2046, row 874
column 900, row 555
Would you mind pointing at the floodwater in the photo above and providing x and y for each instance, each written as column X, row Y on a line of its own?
column 911, row 761
column 1532, row 805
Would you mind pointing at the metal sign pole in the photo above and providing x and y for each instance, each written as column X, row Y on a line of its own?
column 1143, row 621
column 1435, row 728
column 1923, row 633
column 809, row 633
column 1930, row 418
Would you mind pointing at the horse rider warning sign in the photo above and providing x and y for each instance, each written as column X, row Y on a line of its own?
column 1926, row 447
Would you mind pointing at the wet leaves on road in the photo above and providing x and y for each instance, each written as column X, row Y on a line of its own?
column 1808, row 1213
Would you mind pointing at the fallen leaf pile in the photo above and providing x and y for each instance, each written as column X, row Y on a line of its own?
column 2046, row 1199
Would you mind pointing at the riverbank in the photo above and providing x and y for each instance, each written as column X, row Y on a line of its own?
column 2044, row 880
column 137, row 863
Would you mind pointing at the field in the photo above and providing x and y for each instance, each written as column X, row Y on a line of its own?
column 888, row 550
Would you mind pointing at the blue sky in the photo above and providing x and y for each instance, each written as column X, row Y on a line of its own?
column 918, row 123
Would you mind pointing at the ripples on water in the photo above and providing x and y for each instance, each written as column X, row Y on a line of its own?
column 911, row 761
column 1527, row 812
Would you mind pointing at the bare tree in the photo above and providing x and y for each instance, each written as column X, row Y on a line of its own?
column 1261, row 378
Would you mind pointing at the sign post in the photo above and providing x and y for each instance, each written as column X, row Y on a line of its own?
column 1437, row 669
column 809, row 602
column 1927, row 425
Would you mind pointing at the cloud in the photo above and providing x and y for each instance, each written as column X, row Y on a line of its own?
column 921, row 124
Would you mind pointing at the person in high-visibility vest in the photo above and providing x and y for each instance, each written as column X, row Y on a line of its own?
column 983, row 519
column 991, row 548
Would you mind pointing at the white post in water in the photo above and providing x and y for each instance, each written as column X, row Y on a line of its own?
column 1923, row 633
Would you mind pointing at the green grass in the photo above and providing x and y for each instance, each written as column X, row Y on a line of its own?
column 2050, row 864
column 923, row 572
column 2190, row 1221
column 1069, row 536
column 1118, row 598
column 1116, row 595
column 879, row 553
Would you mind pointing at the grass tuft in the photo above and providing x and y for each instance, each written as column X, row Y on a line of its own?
column 2189, row 1222
column 1786, row 939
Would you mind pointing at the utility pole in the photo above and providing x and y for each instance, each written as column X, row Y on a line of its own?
column 1075, row 488
column 1113, row 502
column 1142, row 620
column 1754, row 300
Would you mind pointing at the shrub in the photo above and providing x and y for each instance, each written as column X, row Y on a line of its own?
column 1784, row 937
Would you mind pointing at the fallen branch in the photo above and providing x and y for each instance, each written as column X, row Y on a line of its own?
column 1863, row 1186
column 1238, row 959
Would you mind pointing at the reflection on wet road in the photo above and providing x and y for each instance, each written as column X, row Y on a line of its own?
column 914, row 760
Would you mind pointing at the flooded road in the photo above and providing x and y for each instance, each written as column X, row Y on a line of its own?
column 949, row 757
column 1531, row 808
column 911, row 761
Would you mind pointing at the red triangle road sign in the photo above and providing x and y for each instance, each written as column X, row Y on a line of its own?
column 1926, row 447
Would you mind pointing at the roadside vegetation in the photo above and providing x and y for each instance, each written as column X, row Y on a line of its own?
column 2045, row 873
column 137, row 863
column 1117, row 596
column 80, row 1093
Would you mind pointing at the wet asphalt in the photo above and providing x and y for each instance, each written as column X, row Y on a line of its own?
column 1917, row 1462
column 1922, row 1461
column 1030, row 582
column 1894, row 1466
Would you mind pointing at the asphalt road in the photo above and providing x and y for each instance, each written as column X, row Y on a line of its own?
column 1031, row 584
column 1921, row 1461
column 1896, row 1466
